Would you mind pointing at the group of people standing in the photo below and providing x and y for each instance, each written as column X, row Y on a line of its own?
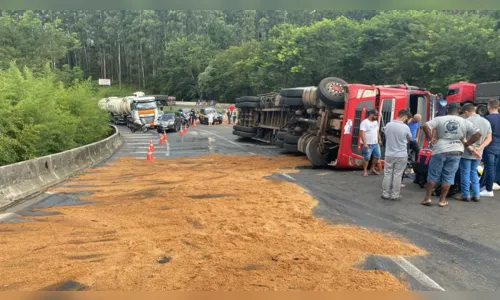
column 460, row 139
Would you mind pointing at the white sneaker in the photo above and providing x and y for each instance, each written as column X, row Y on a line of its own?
column 486, row 194
column 483, row 188
column 496, row 187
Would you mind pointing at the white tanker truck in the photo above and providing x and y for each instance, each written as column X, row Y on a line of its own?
column 137, row 112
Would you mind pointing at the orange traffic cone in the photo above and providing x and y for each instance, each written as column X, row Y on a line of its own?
column 149, row 156
column 151, row 146
column 162, row 141
column 185, row 129
column 194, row 124
column 165, row 137
column 181, row 132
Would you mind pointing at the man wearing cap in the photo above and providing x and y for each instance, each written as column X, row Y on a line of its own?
column 370, row 140
column 448, row 147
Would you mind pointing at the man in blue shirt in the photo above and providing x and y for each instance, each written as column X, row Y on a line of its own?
column 414, row 125
column 441, row 108
column 491, row 154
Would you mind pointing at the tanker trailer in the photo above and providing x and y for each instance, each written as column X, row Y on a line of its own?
column 102, row 103
column 116, row 108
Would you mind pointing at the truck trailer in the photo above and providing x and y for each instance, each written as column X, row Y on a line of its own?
column 137, row 112
column 323, row 122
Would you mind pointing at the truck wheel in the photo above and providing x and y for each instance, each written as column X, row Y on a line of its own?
column 316, row 158
column 290, row 148
column 331, row 91
column 292, row 139
column 280, row 135
column 247, row 105
column 482, row 110
column 244, row 128
column 248, row 99
column 288, row 101
column 244, row 134
column 296, row 92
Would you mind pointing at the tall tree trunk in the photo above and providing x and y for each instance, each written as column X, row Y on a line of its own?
column 142, row 68
column 104, row 62
column 119, row 67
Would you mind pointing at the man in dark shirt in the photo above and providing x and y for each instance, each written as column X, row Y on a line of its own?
column 491, row 154
column 441, row 109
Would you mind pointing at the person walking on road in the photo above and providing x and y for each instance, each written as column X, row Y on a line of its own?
column 469, row 179
column 414, row 124
column 234, row 112
column 448, row 147
column 397, row 136
column 370, row 139
column 491, row 154
column 210, row 119
column 228, row 117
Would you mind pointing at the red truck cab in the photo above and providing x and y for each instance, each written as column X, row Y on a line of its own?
column 461, row 92
column 388, row 99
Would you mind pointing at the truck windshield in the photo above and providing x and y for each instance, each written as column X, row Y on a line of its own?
column 145, row 105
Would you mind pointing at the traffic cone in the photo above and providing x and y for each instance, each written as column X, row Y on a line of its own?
column 151, row 146
column 162, row 141
column 185, row 129
column 181, row 132
column 194, row 124
column 165, row 137
column 149, row 156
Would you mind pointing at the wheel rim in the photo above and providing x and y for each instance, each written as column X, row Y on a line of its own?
column 335, row 88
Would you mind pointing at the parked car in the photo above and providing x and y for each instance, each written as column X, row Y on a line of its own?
column 204, row 112
column 169, row 122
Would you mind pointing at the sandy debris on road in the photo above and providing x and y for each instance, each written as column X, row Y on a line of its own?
column 219, row 222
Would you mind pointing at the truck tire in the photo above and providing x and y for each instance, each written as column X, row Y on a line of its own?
column 482, row 110
column 316, row 158
column 245, row 128
column 287, row 101
column 302, row 143
column 290, row 148
column 291, row 139
column 296, row 92
column 244, row 134
column 279, row 143
column 280, row 135
column 247, row 105
column 331, row 91
column 249, row 99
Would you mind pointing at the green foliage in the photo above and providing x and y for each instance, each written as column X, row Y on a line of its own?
column 41, row 116
column 427, row 48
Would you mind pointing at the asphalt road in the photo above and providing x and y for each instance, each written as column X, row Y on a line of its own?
column 463, row 239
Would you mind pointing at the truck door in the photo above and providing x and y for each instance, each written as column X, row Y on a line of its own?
column 356, row 113
column 391, row 101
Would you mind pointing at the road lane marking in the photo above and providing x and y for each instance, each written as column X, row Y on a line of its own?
column 7, row 216
column 420, row 276
column 221, row 138
column 288, row 176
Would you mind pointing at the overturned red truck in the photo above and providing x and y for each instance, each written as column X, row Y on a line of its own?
column 323, row 122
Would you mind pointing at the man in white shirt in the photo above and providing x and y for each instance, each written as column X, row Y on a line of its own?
column 370, row 140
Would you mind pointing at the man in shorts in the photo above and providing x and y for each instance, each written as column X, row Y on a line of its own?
column 370, row 140
column 448, row 147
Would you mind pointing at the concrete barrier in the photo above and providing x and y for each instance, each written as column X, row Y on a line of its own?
column 27, row 178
